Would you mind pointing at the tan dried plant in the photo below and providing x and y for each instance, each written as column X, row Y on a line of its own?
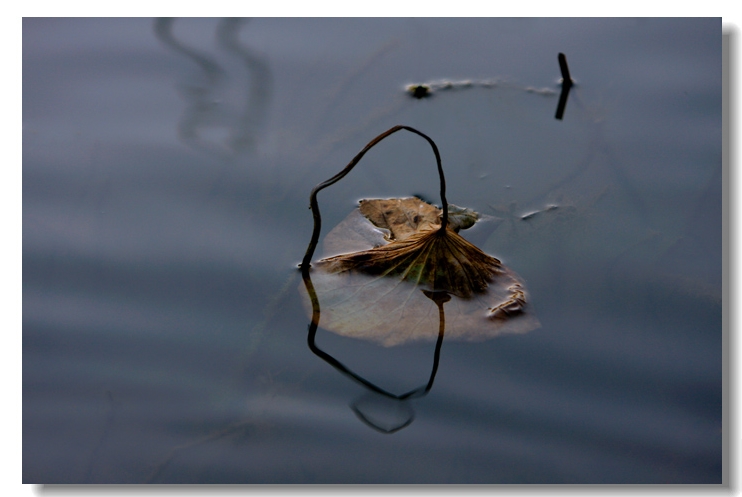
column 395, row 262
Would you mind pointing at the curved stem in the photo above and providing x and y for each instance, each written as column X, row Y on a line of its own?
column 305, row 263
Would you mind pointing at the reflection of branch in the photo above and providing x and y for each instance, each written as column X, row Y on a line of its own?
column 305, row 263
column 361, row 409
column 164, row 32
column 256, row 108
column 200, row 102
column 438, row 297
column 202, row 110
column 566, row 85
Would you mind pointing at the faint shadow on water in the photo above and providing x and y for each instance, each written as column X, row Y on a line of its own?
column 204, row 111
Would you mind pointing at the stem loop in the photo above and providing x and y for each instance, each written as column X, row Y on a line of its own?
column 306, row 262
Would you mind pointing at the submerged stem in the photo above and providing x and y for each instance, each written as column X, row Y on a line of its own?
column 305, row 263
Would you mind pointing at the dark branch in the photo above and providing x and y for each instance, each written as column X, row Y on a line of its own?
column 305, row 263
column 566, row 86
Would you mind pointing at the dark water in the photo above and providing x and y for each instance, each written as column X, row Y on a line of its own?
column 166, row 173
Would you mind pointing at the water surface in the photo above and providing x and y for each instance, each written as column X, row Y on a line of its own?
column 167, row 167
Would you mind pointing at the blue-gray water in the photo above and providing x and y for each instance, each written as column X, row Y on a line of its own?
column 167, row 167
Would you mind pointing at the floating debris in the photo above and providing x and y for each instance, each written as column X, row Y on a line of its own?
column 424, row 90
column 531, row 215
column 419, row 91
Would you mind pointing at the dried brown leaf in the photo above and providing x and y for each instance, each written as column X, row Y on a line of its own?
column 398, row 257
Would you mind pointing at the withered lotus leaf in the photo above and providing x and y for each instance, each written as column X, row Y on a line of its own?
column 440, row 260
column 419, row 251
column 396, row 254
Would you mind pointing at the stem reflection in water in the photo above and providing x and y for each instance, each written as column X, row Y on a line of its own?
column 439, row 298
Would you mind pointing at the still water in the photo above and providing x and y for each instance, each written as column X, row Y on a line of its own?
column 167, row 166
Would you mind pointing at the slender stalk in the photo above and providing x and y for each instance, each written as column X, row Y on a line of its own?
column 306, row 262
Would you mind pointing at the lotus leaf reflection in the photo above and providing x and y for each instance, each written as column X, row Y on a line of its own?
column 394, row 254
